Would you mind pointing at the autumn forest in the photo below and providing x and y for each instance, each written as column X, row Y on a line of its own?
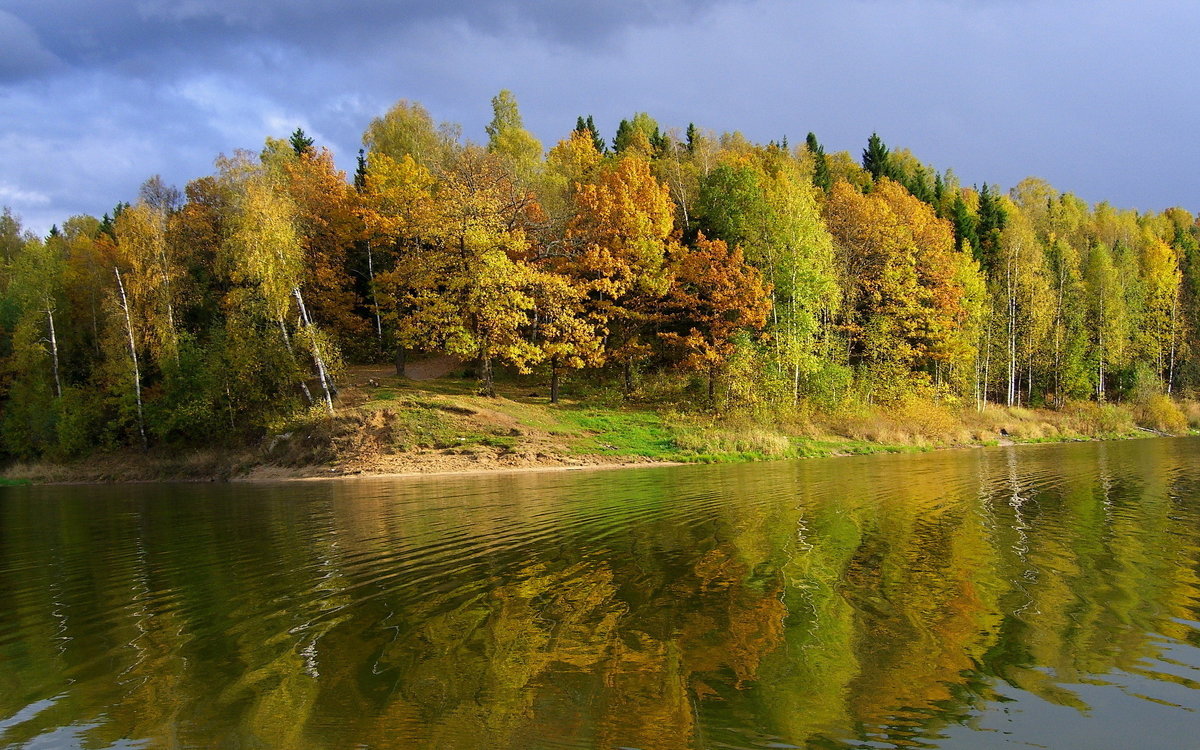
column 758, row 279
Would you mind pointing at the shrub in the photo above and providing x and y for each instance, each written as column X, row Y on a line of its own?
column 1159, row 412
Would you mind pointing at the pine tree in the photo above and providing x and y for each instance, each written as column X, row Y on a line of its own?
column 301, row 143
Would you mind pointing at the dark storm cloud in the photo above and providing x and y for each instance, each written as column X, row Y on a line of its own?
column 136, row 35
column 1098, row 97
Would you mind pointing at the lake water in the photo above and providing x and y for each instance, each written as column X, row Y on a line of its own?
column 1038, row 596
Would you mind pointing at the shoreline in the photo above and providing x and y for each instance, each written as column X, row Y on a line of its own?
column 269, row 474
column 397, row 429
column 546, row 469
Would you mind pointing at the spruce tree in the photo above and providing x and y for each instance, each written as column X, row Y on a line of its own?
column 820, row 177
column 964, row 226
column 360, row 174
column 597, row 141
column 990, row 224
column 876, row 158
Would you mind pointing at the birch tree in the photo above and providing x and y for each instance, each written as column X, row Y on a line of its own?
column 269, row 255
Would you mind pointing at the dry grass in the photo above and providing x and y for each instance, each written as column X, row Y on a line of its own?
column 926, row 423
column 157, row 466
column 743, row 440
column 915, row 422
column 1191, row 411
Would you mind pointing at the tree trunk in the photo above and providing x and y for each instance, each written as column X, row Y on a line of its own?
column 987, row 363
column 374, row 297
column 487, row 382
column 229, row 402
column 554, row 379
column 287, row 341
column 326, row 385
column 166, row 282
column 1174, row 329
column 54, row 352
column 1100, row 352
column 1029, row 379
column 712, row 387
column 627, row 371
column 137, row 372
column 401, row 361
column 1012, row 349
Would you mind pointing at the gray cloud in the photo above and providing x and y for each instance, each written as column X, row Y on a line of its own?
column 21, row 52
column 1096, row 97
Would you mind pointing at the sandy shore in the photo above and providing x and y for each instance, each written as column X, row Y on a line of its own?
column 272, row 474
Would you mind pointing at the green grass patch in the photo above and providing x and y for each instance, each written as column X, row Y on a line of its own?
column 618, row 432
column 6, row 482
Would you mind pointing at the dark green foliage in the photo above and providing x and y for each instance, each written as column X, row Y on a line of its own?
column 79, row 427
column 107, row 222
column 589, row 126
column 964, row 226
column 991, row 221
column 917, row 183
column 876, row 158
column 301, row 143
column 29, row 415
column 820, row 177
column 188, row 408
column 360, row 172
column 644, row 125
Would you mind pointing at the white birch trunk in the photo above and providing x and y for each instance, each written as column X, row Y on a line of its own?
column 374, row 296
column 137, row 371
column 54, row 351
column 1174, row 331
column 316, row 350
column 287, row 341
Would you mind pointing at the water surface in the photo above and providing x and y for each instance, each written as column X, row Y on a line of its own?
column 998, row 598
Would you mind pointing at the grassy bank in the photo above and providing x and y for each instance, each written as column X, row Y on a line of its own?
column 387, row 425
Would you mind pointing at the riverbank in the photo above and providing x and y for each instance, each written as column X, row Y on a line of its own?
column 392, row 427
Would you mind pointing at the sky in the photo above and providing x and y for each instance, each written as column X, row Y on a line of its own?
column 1099, row 97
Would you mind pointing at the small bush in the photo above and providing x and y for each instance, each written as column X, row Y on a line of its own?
column 1159, row 412
column 1097, row 420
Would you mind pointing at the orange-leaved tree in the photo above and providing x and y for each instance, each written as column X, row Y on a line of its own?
column 616, row 247
column 715, row 295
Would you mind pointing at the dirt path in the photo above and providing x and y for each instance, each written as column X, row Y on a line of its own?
column 430, row 368
column 437, row 366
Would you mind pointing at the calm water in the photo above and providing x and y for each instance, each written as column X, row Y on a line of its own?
column 1000, row 598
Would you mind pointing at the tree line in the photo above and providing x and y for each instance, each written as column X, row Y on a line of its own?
column 782, row 277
